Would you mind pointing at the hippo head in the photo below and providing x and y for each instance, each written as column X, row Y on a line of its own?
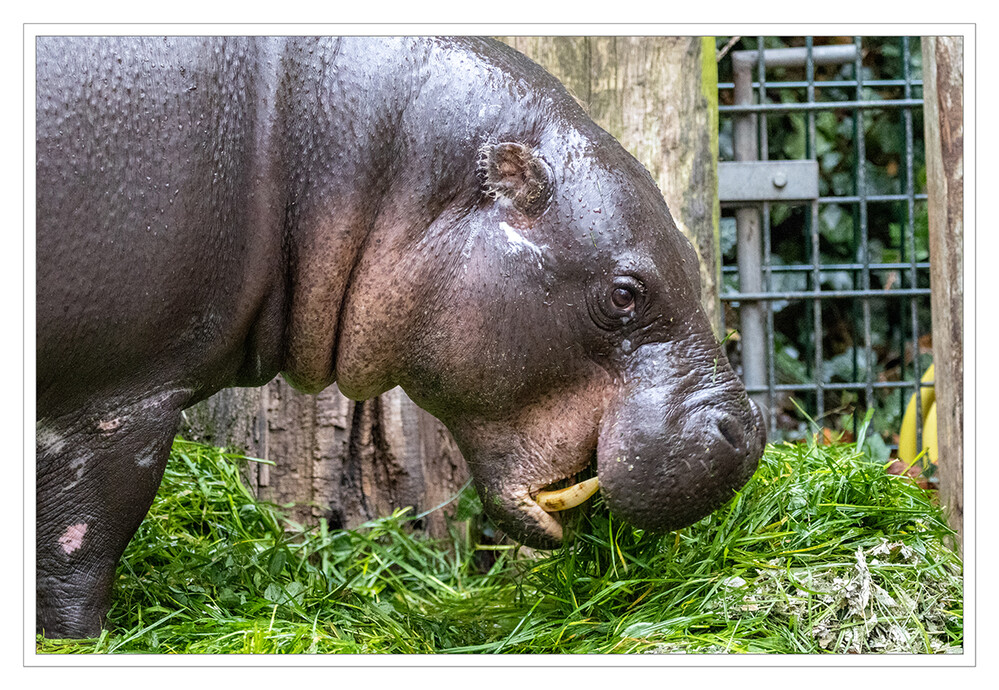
column 550, row 316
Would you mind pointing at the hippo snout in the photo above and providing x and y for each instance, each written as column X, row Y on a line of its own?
column 662, row 468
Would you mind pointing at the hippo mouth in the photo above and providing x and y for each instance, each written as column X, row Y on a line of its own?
column 669, row 488
column 544, row 504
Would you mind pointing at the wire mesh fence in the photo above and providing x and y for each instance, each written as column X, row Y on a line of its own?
column 824, row 229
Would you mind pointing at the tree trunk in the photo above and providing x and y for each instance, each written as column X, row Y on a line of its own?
column 350, row 462
column 943, row 84
column 338, row 459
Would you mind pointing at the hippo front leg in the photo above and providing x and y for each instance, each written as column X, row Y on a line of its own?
column 97, row 476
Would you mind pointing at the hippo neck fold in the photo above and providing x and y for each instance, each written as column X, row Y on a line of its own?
column 337, row 183
column 400, row 166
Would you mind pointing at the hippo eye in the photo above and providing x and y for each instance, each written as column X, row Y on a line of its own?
column 623, row 298
column 624, row 294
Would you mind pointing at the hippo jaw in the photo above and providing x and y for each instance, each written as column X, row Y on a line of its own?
column 513, row 460
column 670, row 448
column 535, row 525
column 516, row 509
column 661, row 491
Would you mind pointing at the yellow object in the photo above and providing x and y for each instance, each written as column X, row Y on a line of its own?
column 563, row 499
column 930, row 433
column 907, row 451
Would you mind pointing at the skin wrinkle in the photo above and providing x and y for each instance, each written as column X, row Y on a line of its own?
column 339, row 328
column 360, row 213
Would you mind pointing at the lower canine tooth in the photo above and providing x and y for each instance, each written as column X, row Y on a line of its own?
column 563, row 499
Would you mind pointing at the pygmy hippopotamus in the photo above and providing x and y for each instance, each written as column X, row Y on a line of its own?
column 433, row 213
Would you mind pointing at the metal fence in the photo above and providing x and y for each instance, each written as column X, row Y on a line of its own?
column 825, row 261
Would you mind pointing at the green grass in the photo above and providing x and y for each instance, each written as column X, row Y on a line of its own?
column 821, row 552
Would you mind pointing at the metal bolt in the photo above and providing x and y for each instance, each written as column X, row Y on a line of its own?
column 780, row 180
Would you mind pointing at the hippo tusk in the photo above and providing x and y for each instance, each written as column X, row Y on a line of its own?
column 570, row 497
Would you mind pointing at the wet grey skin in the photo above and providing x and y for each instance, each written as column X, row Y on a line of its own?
column 432, row 213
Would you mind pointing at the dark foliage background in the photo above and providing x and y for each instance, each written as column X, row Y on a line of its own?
column 896, row 353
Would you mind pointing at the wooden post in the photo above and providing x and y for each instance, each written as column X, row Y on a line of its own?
column 658, row 96
column 943, row 89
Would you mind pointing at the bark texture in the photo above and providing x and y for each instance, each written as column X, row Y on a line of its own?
column 338, row 459
column 943, row 85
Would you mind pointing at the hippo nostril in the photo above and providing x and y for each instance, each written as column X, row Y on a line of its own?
column 731, row 431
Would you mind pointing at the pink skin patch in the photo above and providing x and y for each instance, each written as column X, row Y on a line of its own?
column 72, row 538
column 107, row 426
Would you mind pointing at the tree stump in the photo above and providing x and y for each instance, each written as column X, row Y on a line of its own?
column 338, row 459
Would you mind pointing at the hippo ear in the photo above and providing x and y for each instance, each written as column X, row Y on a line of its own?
column 513, row 171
